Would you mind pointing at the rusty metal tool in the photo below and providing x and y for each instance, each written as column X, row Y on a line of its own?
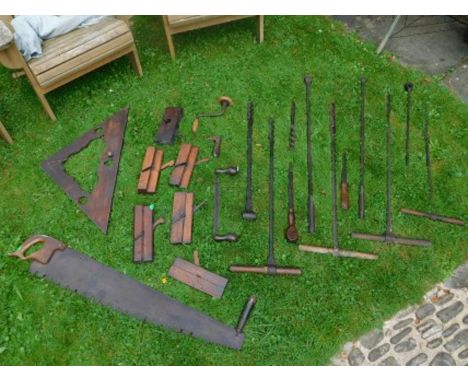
column 217, row 236
column 388, row 236
column 291, row 233
column 292, row 129
column 81, row 274
column 184, row 166
column 310, row 186
column 408, row 89
column 169, row 125
column 96, row 205
column 427, row 151
column 224, row 101
column 249, row 305
column 249, row 213
column 151, row 170
column 182, row 218
column 193, row 275
column 433, row 217
column 271, row 268
column 362, row 152
column 335, row 251
column 344, row 183
column 231, row 170
column 216, row 145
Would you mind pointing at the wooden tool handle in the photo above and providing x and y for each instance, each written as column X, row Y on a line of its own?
column 291, row 233
column 195, row 125
column 246, row 314
column 248, row 269
column 344, row 196
column 43, row 255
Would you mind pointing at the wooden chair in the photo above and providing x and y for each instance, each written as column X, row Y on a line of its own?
column 72, row 55
column 180, row 24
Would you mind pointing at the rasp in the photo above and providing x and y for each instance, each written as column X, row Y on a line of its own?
column 80, row 273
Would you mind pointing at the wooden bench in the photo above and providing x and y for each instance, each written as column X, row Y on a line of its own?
column 72, row 55
column 180, row 24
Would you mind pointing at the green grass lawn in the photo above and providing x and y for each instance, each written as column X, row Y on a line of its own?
column 298, row 320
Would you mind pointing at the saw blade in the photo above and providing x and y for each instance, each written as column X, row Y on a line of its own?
column 80, row 273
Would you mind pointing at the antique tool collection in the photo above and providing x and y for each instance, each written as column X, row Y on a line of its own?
column 335, row 251
column 97, row 204
column 270, row 268
column 79, row 273
column 388, row 236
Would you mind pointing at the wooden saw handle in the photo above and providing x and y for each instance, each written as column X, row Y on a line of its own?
column 42, row 255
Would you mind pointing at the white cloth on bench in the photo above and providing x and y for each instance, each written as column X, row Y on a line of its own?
column 30, row 31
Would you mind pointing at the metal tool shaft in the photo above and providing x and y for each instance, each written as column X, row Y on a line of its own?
column 427, row 150
column 389, row 229
column 217, row 236
column 271, row 196
column 291, row 232
column 292, row 131
column 249, row 213
column 344, row 183
column 333, row 175
column 362, row 152
column 408, row 89
column 310, row 191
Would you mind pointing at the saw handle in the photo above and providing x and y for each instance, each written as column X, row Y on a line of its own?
column 249, row 305
column 42, row 255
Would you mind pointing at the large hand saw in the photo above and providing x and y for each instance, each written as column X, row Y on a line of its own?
column 80, row 273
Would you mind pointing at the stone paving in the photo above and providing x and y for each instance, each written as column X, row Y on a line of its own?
column 437, row 45
column 434, row 333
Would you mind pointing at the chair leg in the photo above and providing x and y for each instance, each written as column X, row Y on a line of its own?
column 4, row 134
column 135, row 59
column 45, row 105
column 260, row 30
column 170, row 43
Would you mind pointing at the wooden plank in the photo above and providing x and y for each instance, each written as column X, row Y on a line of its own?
column 147, row 234
column 67, row 53
column 187, row 232
column 155, row 172
column 146, row 169
column 187, row 175
column 198, row 278
column 84, row 60
column 178, row 211
column 181, row 24
column 180, row 164
column 54, row 46
column 137, row 233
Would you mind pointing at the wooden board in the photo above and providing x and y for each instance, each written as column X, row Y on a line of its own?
column 198, row 277
column 180, row 164
column 142, row 234
column 187, row 233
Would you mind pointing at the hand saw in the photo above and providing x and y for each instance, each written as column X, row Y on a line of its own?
column 80, row 273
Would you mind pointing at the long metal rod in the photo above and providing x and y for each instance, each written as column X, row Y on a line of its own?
column 333, row 175
column 362, row 152
column 408, row 89
column 291, row 233
column 388, row 236
column 427, row 150
column 249, row 213
column 310, row 187
column 292, row 131
column 216, row 205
